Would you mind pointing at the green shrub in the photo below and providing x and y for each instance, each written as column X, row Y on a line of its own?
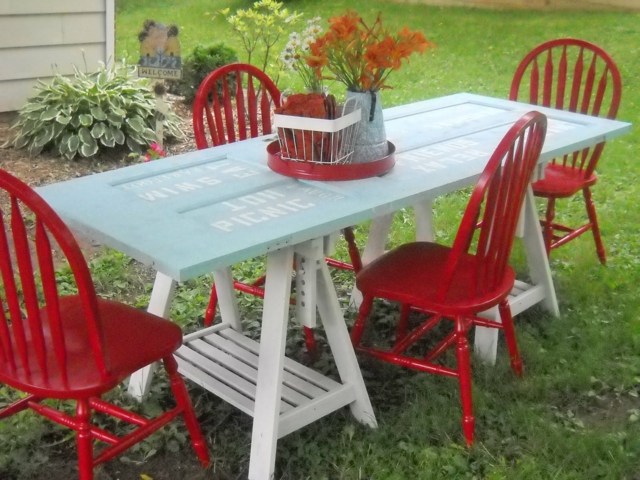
column 202, row 61
column 89, row 112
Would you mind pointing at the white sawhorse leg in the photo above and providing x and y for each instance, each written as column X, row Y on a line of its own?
column 160, row 303
column 275, row 318
column 227, row 300
column 486, row 339
column 341, row 347
column 376, row 242
column 424, row 221
column 318, row 292
column 537, row 259
column 272, row 347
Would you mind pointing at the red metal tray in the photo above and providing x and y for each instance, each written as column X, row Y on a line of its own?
column 328, row 171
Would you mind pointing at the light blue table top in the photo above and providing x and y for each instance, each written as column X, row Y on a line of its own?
column 189, row 214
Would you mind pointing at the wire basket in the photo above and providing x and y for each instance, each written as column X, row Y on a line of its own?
column 317, row 140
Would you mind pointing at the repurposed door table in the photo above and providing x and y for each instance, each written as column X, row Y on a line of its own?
column 206, row 210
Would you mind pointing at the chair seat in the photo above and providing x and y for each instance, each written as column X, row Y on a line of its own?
column 409, row 275
column 127, row 348
column 561, row 181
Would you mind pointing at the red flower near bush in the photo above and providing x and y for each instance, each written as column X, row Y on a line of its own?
column 154, row 152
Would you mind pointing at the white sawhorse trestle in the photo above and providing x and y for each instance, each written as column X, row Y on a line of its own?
column 281, row 394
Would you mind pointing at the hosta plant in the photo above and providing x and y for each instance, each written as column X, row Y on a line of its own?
column 86, row 113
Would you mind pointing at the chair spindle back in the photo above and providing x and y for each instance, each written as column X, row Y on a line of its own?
column 234, row 102
column 32, row 335
column 488, row 226
column 575, row 75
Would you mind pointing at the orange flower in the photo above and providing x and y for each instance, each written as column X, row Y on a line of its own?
column 345, row 28
column 360, row 55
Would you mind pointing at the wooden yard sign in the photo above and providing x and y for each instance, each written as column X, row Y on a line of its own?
column 159, row 51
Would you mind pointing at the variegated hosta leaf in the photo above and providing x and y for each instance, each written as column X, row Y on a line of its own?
column 136, row 123
column 85, row 135
column 98, row 114
column 118, row 136
column 49, row 114
column 44, row 136
column 133, row 145
column 108, row 139
column 63, row 119
column 73, row 143
column 149, row 135
column 98, row 130
column 86, row 120
column 90, row 148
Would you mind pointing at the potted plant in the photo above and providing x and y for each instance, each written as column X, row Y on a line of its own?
column 310, row 125
column 361, row 56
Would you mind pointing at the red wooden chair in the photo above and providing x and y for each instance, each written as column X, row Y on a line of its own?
column 74, row 347
column 578, row 76
column 235, row 102
column 454, row 284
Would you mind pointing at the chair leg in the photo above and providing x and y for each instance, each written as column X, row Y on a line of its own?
column 84, row 440
column 547, row 231
column 354, row 252
column 595, row 227
column 310, row 342
column 363, row 314
column 464, row 379
column 510, row 337
column 184, row 402
column 403, row 322
column 210, row 312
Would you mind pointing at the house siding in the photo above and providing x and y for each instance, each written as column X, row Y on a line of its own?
column 40, row 38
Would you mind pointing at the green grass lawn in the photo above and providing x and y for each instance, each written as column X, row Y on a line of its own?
column 576, row 412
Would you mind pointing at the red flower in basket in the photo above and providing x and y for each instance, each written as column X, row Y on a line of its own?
column 304, row 105
column 302, row 144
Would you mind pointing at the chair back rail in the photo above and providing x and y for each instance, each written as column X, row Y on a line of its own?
column 32, row 338
column 488, row 226
column 575, row 75
column 234, row 102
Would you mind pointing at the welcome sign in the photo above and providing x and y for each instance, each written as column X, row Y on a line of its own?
column 159, row 51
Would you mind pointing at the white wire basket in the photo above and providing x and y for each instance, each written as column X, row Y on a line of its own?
column 316, row 140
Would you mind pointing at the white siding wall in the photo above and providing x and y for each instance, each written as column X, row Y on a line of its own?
column 39, row 38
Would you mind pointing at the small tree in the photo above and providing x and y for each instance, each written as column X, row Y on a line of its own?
column 260, row 27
